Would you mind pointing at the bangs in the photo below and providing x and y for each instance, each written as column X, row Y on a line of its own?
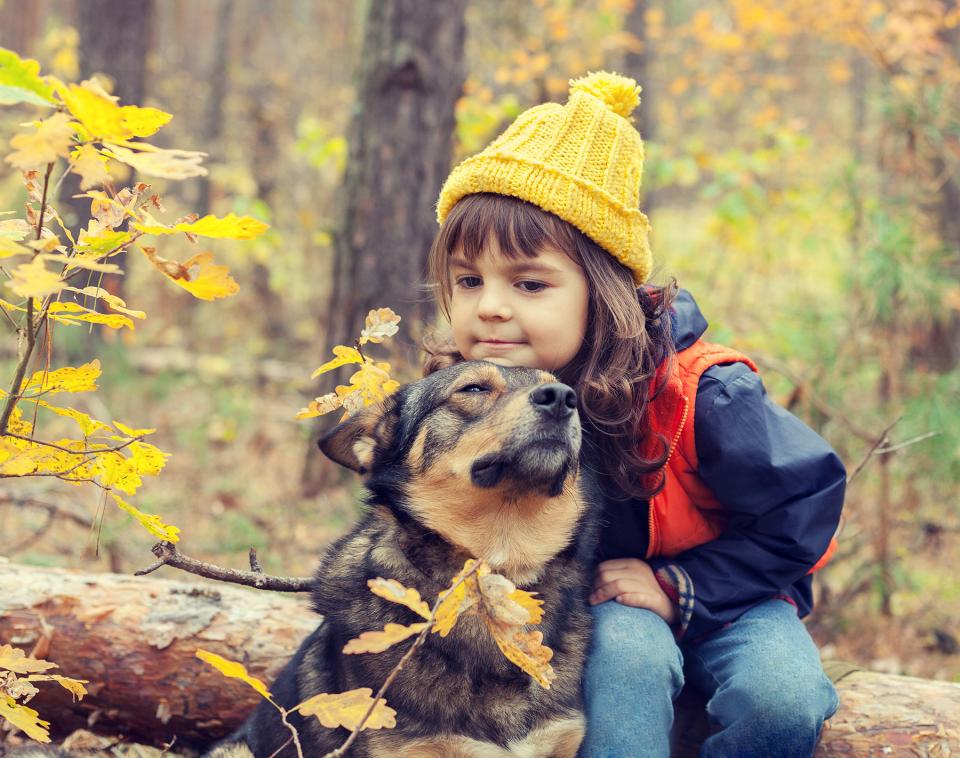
column 521, row 230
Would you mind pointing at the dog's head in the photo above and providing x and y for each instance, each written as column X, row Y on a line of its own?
column 483, row 454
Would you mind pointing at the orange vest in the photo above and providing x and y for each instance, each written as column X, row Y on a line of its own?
column 685, row 513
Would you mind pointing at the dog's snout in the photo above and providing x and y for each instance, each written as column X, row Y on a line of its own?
column 557, row 399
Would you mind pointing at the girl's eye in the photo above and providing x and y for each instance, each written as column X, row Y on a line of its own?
column 472, row 388
column 528, row 286
column 469, row 282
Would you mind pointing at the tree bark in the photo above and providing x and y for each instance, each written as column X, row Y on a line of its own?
column 411, row 74
column 134, row 639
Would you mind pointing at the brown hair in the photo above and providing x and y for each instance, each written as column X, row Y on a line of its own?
column 628, row 331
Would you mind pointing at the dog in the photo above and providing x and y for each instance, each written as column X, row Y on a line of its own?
column 474, row 461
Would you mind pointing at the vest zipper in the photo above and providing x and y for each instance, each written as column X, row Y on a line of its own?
column 654, row 544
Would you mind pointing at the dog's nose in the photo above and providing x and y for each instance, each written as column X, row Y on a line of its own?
column 557, row 399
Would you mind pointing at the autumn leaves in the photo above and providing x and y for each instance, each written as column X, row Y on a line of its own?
column 507, row 613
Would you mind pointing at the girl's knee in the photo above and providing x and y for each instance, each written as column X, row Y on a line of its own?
column 634, row 644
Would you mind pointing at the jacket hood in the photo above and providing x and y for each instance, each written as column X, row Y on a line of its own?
column 686, row 321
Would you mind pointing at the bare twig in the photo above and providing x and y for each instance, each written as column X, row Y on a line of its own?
column 873, row 448
column 74, row 452
column 255, row 562
column 906, row 443
column 168, row 555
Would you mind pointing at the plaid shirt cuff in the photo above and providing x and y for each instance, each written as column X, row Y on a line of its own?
column 679, row 588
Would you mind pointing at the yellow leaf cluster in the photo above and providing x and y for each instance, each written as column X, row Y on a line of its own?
column 21, row 671
column 506, row 611
column 371, row 383
column 346, row 709
column 74, row 313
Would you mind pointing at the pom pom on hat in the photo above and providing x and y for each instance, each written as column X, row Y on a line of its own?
column 621, row 94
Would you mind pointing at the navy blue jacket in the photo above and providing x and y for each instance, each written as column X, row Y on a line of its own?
column 780, row 482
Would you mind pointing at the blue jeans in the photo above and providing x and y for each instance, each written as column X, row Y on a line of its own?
column 768, row 695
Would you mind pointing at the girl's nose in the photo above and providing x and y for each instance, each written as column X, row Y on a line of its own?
column 493, row 306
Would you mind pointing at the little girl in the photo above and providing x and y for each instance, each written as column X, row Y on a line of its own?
column 719, row 504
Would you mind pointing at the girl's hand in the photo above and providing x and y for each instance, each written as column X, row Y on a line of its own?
column 630, row 581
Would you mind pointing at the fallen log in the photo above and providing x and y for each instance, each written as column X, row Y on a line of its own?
column 134, row 639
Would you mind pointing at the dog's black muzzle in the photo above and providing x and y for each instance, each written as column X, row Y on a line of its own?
column 544, row 449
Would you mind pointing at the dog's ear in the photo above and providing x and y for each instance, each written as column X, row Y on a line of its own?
column 352, row 442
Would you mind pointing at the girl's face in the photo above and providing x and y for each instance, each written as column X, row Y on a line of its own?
column 519, row 312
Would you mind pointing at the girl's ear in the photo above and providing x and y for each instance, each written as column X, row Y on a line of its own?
column 352, row 443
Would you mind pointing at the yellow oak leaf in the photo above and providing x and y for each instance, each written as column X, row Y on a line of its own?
column 15, row 660
column 147, row 459
column 116, row 470
column 392, row 590
column 210, row 282
column 230, row 226
column 98, row 242
column 380, row 324
column 371, row 383
column 320, row 406
column 115, row 303
column 87, row 162
column 525, row 650
column 498, row 604
column 166, row 164
column 80, row 261
column 344, row 355
column 73, row 686
column 152, row 523
column 9, row 248
column 14, row 228
column 73, row 313
column 34, row 279
column 234, row 671
column 87, row 424
column 378, row 641
column 24, row 718
column 462, row 595
column 20, row 81
column 67, row 379
column 103, row 119
column 346, row 709
column 49, row 141
column 130, row 432
column 533, row 605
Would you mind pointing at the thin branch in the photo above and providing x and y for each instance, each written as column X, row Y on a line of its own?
column 873, row 448
column 74, row 452
column 168, row 555
column 13, row 395
column 255, row 562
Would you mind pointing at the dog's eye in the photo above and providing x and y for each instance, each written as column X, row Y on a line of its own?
column 474, row 388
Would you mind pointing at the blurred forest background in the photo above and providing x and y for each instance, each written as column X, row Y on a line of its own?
column 803, row 181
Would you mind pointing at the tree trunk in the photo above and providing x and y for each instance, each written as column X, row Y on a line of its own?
column 638, row 64
column 134, row 639
column 411, row 73
column 115, row 39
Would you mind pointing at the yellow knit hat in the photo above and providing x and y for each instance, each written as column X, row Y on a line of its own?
column 581, row 161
